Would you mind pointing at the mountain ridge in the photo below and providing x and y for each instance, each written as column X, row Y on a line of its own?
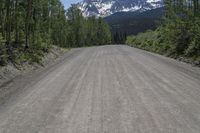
column 104, row 8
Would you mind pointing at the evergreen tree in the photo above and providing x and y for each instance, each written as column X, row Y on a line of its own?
column 31, row 26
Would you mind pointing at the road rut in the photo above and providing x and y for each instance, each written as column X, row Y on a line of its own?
column 108, row 89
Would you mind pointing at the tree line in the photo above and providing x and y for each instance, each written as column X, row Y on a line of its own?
column 28, row 28
column 182, row 26
column 119, row 37
column 179, row 32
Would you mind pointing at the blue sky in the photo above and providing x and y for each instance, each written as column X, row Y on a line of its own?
column 67, row 3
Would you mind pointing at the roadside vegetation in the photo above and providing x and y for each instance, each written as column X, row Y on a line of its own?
column 179, row 33
column 29, row 28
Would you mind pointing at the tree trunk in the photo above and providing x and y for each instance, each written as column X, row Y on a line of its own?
column 27, row 23
column 8, row 22
column 16, row 22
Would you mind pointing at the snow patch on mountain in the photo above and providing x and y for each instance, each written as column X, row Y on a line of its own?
column 135, row 8
column 103, row 8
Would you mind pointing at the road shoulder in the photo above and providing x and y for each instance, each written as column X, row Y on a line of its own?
column 17, row 81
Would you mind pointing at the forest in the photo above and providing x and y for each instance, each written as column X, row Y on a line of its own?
column 179, row 32
column 132, row 23
column 28, row 29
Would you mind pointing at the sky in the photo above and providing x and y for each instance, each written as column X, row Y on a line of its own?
column 67, row 3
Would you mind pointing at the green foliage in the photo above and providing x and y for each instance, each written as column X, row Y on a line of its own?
column 29, row 28
column 179, row 35
column 183, row 27
column 41, row 44
column 86, row 32
column 194, row 46
column 148, row 41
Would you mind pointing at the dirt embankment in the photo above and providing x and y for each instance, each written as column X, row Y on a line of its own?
column 11, row 71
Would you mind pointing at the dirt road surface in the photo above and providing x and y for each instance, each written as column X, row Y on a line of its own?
column 108, row 89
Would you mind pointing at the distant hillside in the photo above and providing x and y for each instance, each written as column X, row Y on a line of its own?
column 134, row 22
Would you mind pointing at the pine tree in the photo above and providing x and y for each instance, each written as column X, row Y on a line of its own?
column 37, row 24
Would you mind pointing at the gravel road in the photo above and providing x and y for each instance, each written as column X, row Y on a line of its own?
column 108, row 89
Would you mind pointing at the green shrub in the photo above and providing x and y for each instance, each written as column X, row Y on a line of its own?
column 41, row 44
column 194, row 46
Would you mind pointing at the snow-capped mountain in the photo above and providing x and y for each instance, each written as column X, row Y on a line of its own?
column 102, row 8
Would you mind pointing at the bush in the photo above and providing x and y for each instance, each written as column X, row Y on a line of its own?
column 194, row 46
column 35, row 52
column 147, row 41
column 42, row 44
